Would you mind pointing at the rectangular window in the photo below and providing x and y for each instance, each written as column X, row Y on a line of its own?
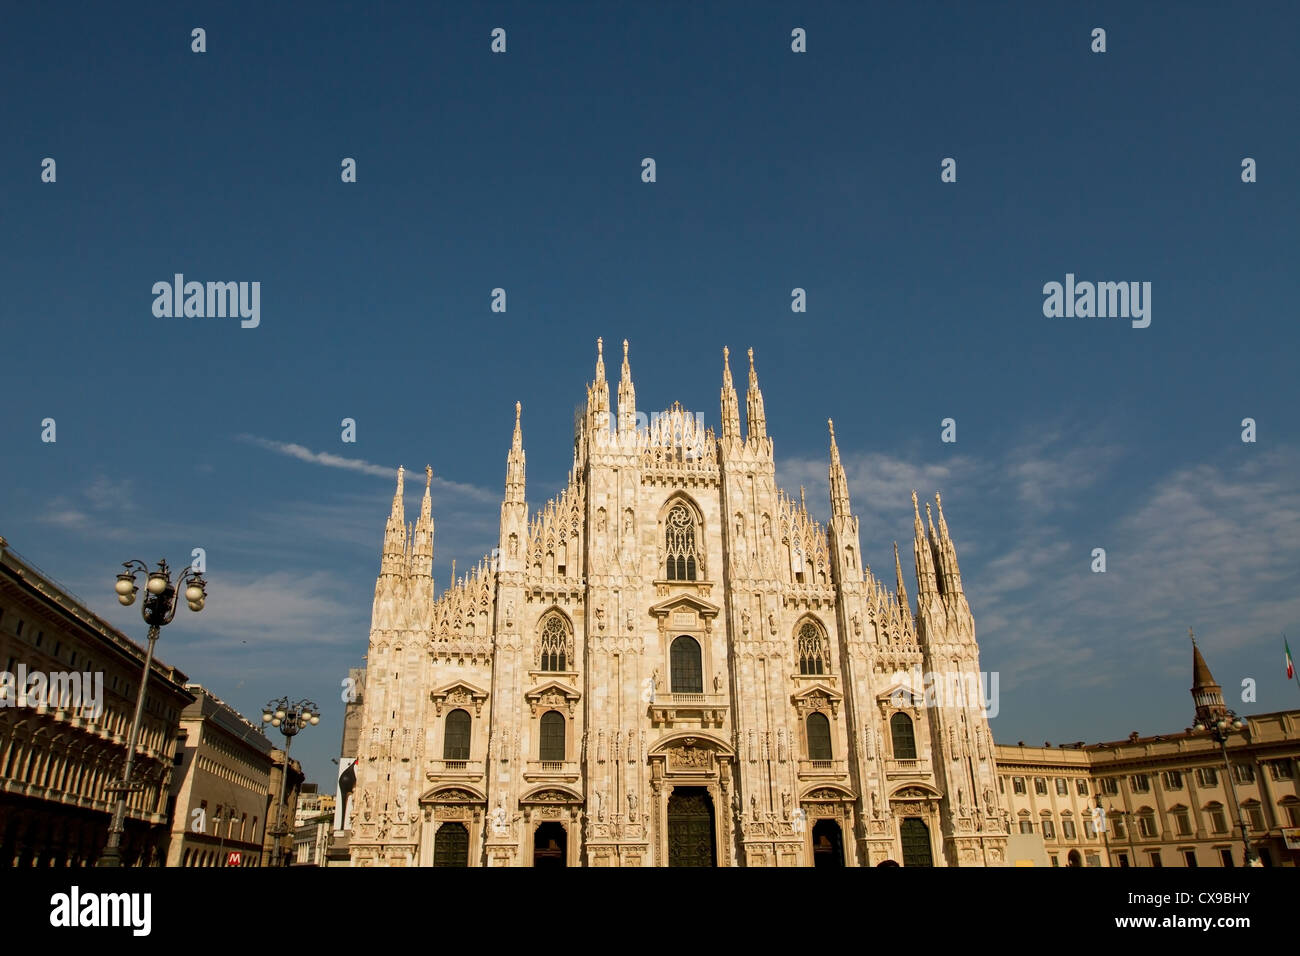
column 1189, row 857
column 19, row 628
column 1207, row 776
column 1067, row 828
column 1062, row 787
column 1081, row 787
column 1002, row 784
column 1173, row 780
column 1140, row 783
column 1123, row 859
column 1293, row 814
column 1255, row 814
column 1225, row 857
column 1049, row 830
column 1147, row 825
column 1109, row 785
column 1094, row 859
column 1182, row 823
column 1281, row 770
column 1055, row 861
column 1154, row 857
column 1026, row 826
column 1244, row 772
column 1018, row 784
column 1089, row 830
column 1117, row 824
column 1040, row 786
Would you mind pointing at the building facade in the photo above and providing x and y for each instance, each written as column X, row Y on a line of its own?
column 1163, row 800
column 221, row 786
column 280, row 817
column 671, row 663
column 68, row 691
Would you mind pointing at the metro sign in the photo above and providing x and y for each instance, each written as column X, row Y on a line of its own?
column 233, row 858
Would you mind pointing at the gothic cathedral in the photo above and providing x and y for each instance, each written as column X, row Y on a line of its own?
column 671, row 664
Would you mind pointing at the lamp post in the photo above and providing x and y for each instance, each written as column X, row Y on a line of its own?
column 1103, row 813
column 158, row 609
column 1213, row 715
column 1221, row 729
column 290, row 718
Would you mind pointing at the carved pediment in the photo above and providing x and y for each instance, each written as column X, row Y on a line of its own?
column 453, row 795
column 552, row 695
column 899, row 697
column 458, row 694
column 551, row 795
column 687, row 603
column 915, row 792
column 818, row 697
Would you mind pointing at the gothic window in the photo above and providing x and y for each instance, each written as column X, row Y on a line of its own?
column 687, row 670
column 819, row 736
column 552, row 736
column 455, row 741
column 563, row 560
column 814, row 656
column 683, row 559
column 900, row 728
column 553, row 644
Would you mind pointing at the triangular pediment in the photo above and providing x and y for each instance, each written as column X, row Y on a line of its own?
column 457, row 694
column 683, row 602
column 900, row 695
column 819, row 696
column 552, row 694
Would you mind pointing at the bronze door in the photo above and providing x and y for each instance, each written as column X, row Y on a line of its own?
column 690, row 828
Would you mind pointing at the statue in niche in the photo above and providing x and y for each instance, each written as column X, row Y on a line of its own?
column 600, row 806
column 785, row 802
column 767, row 526
column 753, row 806
column 600, row 618
column 514, row 546
column 740, row 526
column 875, row 804
column 717, row 683
column 627, row 522
column 631, row 807
column 744, row 622
column 771, row 622
column 510, row 614
column 600, row 519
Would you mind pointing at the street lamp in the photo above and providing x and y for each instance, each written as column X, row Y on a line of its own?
column 290, row 718
column 158, row 609
column 1213, row 715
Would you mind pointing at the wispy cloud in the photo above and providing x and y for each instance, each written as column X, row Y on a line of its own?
column 330, row 460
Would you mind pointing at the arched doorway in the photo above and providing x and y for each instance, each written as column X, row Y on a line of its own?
column 1074, row 859
column 916, row 842
column 550, row 845
column 451, row 845
column 828, row 844
column 690, row 828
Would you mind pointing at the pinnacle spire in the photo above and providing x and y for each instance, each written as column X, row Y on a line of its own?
column 515, row 462
column 755, row 417
column 626, row 398
column 925, row 576
column 947, row 552
column 903, row 604
column 598, row 394
column 839, row 482
column 394, row 556
column 730, row 404
column 422, row 537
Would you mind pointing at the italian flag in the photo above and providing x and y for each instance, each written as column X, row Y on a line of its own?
column 1290, row 664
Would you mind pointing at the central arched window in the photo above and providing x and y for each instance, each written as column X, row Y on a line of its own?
column 819, row 736
column 814, row 655
column 552, row 736
column 687, row 670
column 553, row 644
column 900, row 729
column 680, row 541
column 455, row 741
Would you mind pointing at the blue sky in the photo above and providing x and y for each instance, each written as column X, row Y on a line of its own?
column 775, row 170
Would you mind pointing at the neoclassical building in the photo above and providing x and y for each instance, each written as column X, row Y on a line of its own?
column 671, row 664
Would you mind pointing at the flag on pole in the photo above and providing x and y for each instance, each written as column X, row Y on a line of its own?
column 1290, row 664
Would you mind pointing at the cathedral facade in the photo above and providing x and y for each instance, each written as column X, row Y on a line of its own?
column 671, row 664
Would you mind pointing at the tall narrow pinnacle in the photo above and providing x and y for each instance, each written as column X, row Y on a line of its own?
column 951, row 573
column 803, row 505
column 903, row 604
column 394, row 556
column 599, row 395
column 626, row 398
column 515, row 463
column 839, row 483
column 730, row 404
column 936, row 561
column 925, row 577
column 426, row 505
column 756, row 419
